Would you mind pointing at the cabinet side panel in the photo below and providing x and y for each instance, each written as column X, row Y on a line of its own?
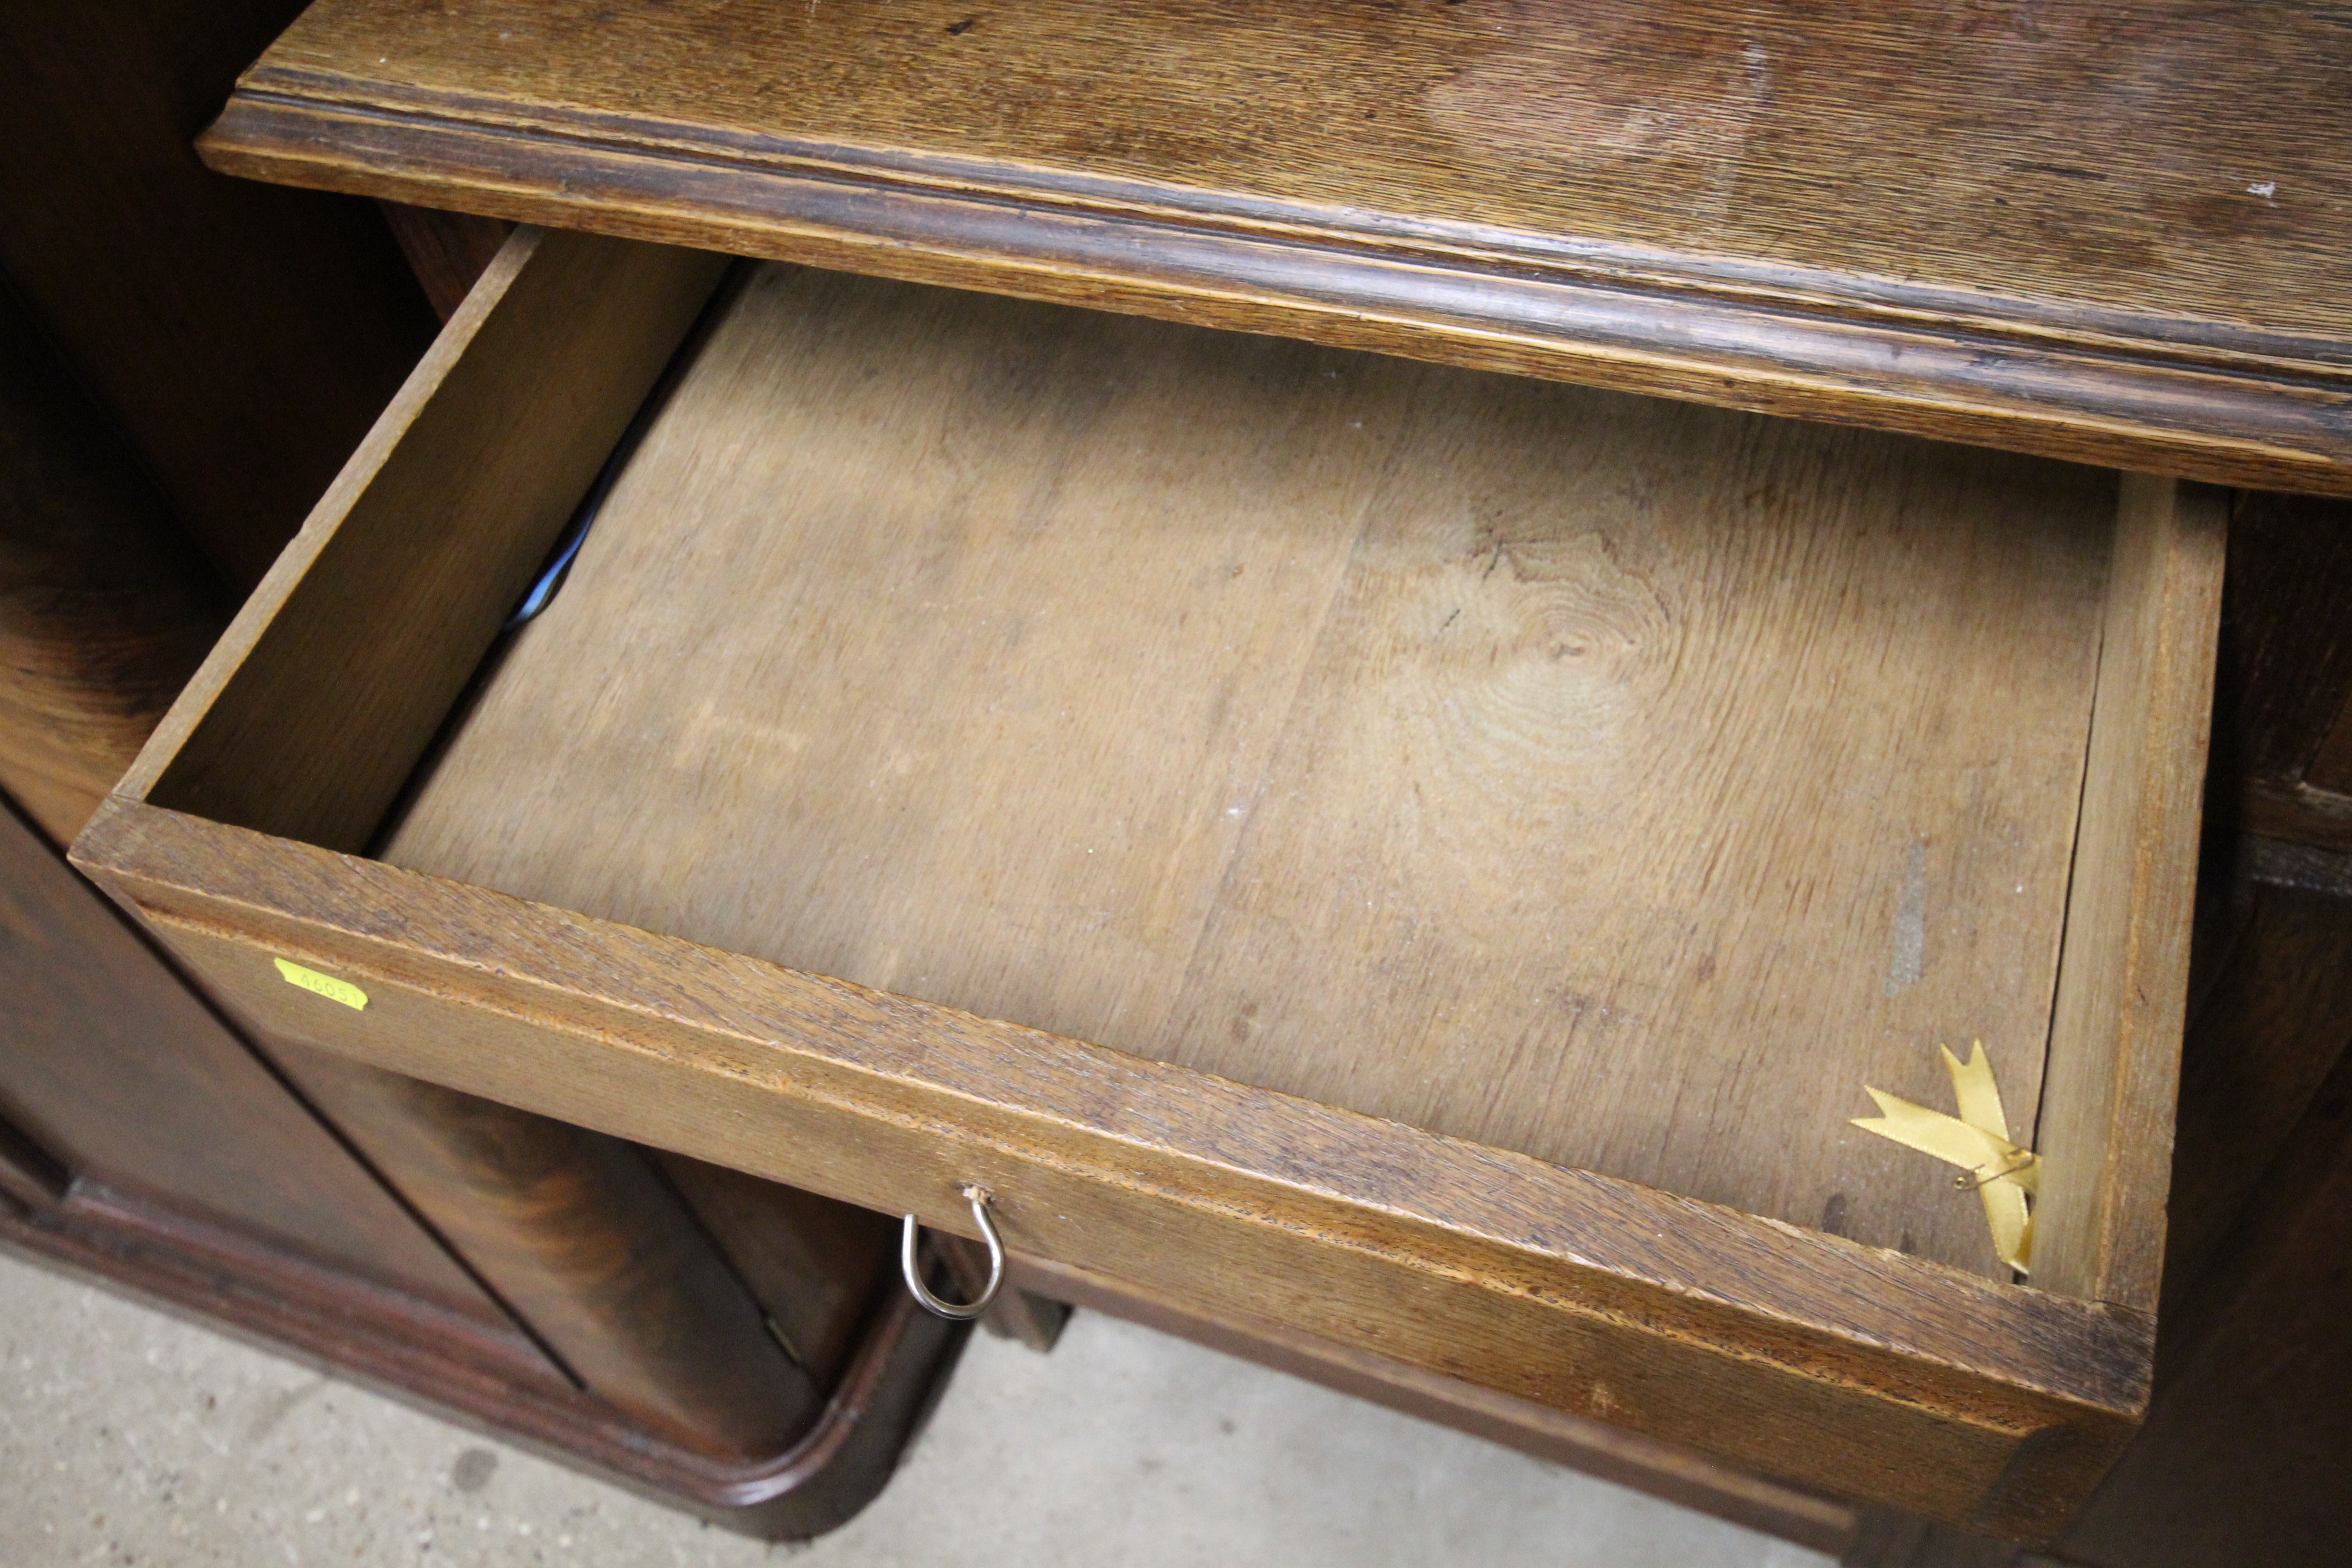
column 114, row 1071
column 105, row 605
column 591, row 1248
column 239, row 338
column 2243, row 1456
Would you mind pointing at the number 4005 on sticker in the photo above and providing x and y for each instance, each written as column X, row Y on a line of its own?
column 326, row 986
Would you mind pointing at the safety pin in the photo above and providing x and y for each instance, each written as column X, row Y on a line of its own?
column 1969, row 1181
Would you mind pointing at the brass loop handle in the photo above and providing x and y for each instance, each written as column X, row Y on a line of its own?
column 977, row 1196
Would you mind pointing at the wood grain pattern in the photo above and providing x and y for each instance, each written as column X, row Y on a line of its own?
column 1862, row 1371
column 297, row 1303
column 106, row 608
column 196, row 1176
column 2117, row 237
column 1872, row 1373
column 584, row 1242
column 494, row 437
column 1616, row 782
column 111, row 1066
column 2107, row 1099
column 241, row 338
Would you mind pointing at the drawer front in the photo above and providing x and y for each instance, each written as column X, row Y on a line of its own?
column 1935, row 1391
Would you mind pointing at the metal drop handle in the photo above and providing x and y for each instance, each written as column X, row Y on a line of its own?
column 977, row 1196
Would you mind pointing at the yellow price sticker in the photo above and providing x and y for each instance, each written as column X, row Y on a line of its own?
column 326, row 986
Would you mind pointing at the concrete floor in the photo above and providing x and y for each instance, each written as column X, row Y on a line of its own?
column 129, row 1436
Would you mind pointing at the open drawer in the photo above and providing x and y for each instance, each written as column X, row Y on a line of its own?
column 1448, row 851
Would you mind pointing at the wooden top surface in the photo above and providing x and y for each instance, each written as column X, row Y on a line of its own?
column 2122, row 233
column 1618, row 781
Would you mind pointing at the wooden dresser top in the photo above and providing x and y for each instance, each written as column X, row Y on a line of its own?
column 2115, row 233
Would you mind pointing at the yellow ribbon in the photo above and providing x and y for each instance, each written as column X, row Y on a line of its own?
column 1977, row 1142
